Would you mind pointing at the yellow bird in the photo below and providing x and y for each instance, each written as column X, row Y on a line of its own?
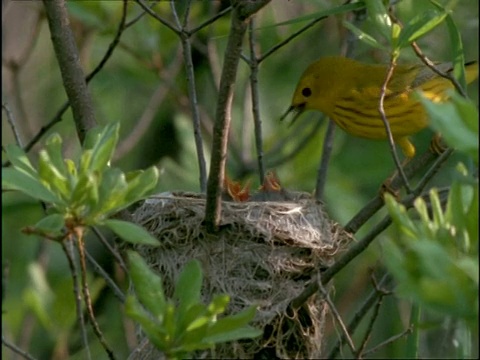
column 348, row 92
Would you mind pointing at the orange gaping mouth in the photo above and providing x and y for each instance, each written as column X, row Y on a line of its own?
column 297, row 110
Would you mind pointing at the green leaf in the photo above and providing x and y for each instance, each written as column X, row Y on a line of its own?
column 419, row 26
column 19, row 160
column 169, row 323
column 436, row 206
column 230, row 323
column 85, row 194
column 52, row 223
column 112, row 191
column 53, row 146
column 13, row 179
column 140, row 183
column 38, row 295
column 131, row 233
column 85, row 162
column 189, row 285
column 378, row 14
column 363, row 36
column 320, row 14
column 245, row 332
column 457, row 50
column 455, row 212
column 453, row 120
column 104, row 147
column 148, row 285
column 218, row 304
column 471, row 220
column 193, row 339
column 155, row 333
column 52, row 177
column 193, row 318
column 399, row 215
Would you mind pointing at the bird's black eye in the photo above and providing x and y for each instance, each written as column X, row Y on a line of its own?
column 306, row 92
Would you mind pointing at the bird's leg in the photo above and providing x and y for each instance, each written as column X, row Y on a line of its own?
column 387, row 187
column 409, row 151
column 437, row 145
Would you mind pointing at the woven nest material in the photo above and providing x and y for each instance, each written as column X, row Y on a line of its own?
column 264, row 254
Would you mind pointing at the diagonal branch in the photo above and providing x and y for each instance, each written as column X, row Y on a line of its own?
column 58, row 117
column 71, row 70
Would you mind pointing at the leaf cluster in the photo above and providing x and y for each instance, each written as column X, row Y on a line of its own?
column 182, row 324
column 83, row 193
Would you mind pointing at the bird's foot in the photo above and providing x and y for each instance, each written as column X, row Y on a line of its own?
column 437, row 145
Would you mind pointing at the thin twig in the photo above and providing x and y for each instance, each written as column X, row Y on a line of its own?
column 376, row 310
column 16, row 66
column 111, row 284
column 255, row 101
column 86, row 294
column 290, row 38
column 429, row 62
column 433, row 170
column 16, row 349
column 359, row 315
column 211, row 20
column 185, row 15
column 324, row 161
column 386, row 123
column 435, row 69
column 67, row 246
column 388, row 341
column 11, row 121
column 140, row 15
column 153, row 14
column 192, row 93
column 113, row 44
column 112, row 251
column 336, row 315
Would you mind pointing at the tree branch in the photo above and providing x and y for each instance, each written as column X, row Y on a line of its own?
column 241, row 12
column 69, row 61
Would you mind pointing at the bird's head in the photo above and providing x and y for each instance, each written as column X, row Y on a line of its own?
column 318, row 86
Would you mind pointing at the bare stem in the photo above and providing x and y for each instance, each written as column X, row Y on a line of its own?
column 111, row 284
column 71, row 70
column 359, row 315
column 68, row 247
column 192, row 94
column 16, row 349
column 86, row 295
column 240, row 17
column 324, row 161
column 256, row 102
column 381, row 109
column 12, row 123
column 337, row 316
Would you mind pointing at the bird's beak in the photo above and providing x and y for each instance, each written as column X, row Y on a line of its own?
column 296, row 109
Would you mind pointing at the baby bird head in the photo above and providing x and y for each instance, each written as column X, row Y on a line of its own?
column 319, row 85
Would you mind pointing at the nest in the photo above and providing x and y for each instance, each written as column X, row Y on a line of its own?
column 264, row 254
